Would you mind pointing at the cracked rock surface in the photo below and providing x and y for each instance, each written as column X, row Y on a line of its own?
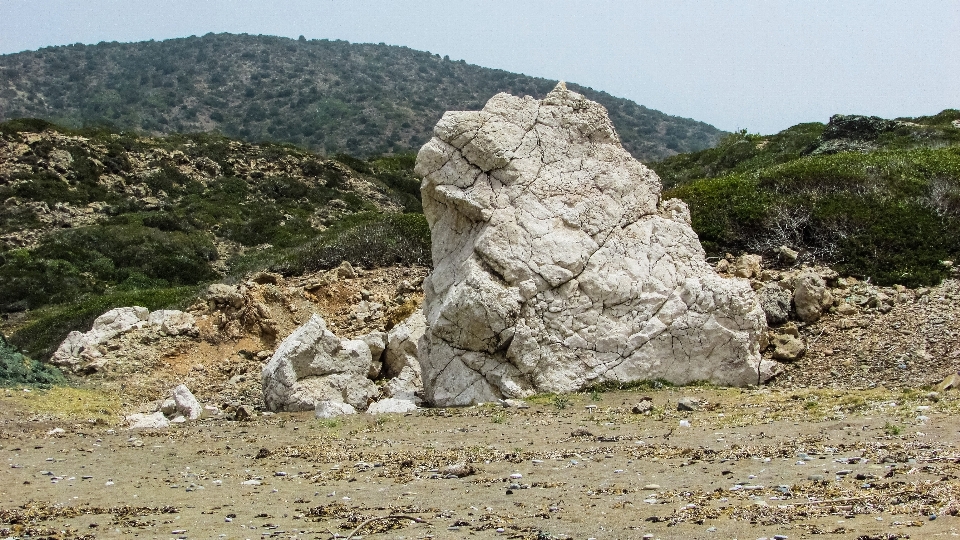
column 557, row 265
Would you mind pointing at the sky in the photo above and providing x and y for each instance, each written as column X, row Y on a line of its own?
column 737, row 64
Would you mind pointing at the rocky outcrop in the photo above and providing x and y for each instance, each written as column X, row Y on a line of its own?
column 557, row 265
column 81, row 351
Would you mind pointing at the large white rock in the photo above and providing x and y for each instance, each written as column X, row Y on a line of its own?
column 313, row 365
column 557, row 265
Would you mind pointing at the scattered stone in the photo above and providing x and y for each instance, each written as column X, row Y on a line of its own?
column 392, row 405
column 775, row 302
column 811, row 297
column 847, row 309
column 788, row 255
column 263, row 453
column 185, row 403
column 950, row 382
column 787, row 348
column 747, row 266
column 154, row 420
column 542, row 223
column 331, row 409
column 643, row 407
column 460, row 470
column 688, row 404
column 243, row 413
column 56, row 432
column 514, row 404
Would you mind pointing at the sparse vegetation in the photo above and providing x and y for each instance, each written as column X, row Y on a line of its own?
column 191, row 209
column 890, row 213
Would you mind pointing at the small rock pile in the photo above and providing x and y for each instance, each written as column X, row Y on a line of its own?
column 838, row 330
column 313, row 369
column 180, row 407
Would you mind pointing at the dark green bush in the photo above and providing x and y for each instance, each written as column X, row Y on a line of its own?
column 368, row 240
column 26, row 125
column 891, row 216
column 17, row 369
column 90, row 260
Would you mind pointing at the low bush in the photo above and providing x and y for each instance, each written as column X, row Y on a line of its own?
column 365, row 239
column 891, row 216
column 17, row 369
column 92, row 260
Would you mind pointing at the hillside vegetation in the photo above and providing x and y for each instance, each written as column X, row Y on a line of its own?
column 94, row 220
column 874, row 198
column 329, row 96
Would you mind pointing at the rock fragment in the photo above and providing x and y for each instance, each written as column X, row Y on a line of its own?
column 313, row 365
column 185, row 403
column 688, row 404
column 811, row 297
column 327, row 409
column 392, row 405
column 154, row 420
column 775, row 302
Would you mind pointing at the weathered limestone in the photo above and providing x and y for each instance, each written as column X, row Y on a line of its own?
column 81, row 350
column 314, row 365
column 155, row 420
column 556, row 264
column 326, row 409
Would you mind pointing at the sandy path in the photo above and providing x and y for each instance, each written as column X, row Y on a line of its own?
column 585, row 472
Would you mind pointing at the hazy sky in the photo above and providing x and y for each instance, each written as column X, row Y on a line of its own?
column 759, row 65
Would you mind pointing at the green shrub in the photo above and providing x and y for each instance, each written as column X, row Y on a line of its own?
column 368, row 240
column 17, row 369
column 26, row 125
column 891, row 216
column 91, row 260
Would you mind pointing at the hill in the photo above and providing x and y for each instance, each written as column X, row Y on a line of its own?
column 329, row 96
column 874, row 198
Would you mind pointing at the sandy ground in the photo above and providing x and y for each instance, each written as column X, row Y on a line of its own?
column 869, row 464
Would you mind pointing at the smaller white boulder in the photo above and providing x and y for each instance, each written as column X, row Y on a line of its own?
column 154, row 420
column 392, row 405
column 173, row 322
column 332, row 409
column 186, row 403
